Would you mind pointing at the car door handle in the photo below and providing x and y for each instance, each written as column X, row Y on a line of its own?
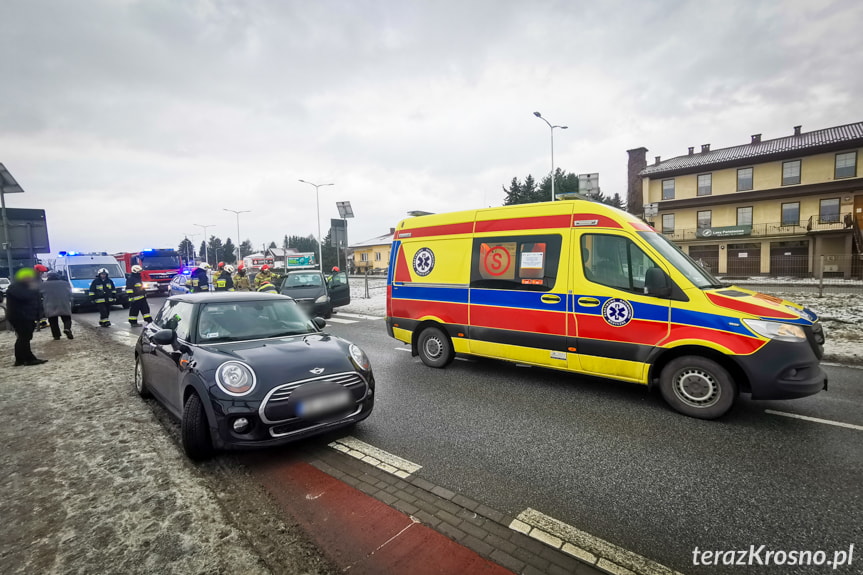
column 550, row 298
column 588, row 301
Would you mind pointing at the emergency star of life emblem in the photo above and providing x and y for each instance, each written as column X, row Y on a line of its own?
column 423, row 262
column 617, row 312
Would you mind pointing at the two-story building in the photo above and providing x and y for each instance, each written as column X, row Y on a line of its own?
column 766, row 207
column 373, row 255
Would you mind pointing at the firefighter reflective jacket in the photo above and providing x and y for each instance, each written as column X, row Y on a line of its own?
column 241, row 282
column 102, row 291
column 262, row 277
column 267, row 287
column 198, row 281
column 224, row 282
column 135, row 287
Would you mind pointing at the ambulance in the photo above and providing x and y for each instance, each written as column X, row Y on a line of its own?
column 583, row 287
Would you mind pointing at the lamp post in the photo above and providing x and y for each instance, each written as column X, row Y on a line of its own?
column 552, row 127
column 318, row 204
column 237, row 213
column 191, row 256
column 8, row 185
column 206, row 245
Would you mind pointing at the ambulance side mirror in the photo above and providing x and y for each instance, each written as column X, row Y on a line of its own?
column 657, row 283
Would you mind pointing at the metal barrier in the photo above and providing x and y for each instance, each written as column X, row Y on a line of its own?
column 840, row 273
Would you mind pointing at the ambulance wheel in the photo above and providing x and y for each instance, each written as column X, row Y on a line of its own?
column 435, row 348
column 697, row 387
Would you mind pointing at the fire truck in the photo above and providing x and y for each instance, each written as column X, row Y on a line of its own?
column 159, row 267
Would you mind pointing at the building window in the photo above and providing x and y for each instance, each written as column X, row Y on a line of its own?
column 377, row 256
column 667, row 223
column 791, row 173
column 667, row 189
column 846, row 165
column 364, row 257
column 705, row 184
column 744, row 179
column 829, row 212
column 744, row 216
column 705, row 219
column 791, row 214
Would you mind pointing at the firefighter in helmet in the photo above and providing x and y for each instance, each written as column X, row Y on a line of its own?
column 241, row 279
column 199, row 280
column 223, row 280
column 103, row 293
column 265, row 275
column 137, row 297
column 267, row 287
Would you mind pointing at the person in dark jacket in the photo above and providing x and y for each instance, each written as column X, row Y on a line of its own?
column 137, row 297
column 103, row 293
column 57, row 304
column 23, row 306
column 223, row 281
column 198, row 279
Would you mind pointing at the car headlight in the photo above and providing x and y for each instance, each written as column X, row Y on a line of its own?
column 79, row 290
column 235, row 378
column 359, row 357
column 323, row 299
column 776, row 330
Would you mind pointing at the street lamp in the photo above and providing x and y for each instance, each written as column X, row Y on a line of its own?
column 237, row 213
column 190, row 257
column 552, row 127
column 318, row 203
column 206, row 245
column 8, row 185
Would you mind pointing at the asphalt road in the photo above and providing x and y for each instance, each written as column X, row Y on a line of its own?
column 615, row 461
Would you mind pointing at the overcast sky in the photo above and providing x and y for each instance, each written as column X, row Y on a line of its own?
column 131, row 121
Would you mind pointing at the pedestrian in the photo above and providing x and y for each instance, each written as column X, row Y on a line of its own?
column 223, row 281
column 265, row 275
column 199, row 280
column 241, row 279
column 23, row 308
column 103, row 293
column 57, row 304
column 40, row 278
column 137, row 297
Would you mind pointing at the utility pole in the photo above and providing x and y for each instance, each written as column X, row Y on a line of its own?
column 318, row 204
column 552, row 127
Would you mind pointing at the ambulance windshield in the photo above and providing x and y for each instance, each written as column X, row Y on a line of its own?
column 700, row 277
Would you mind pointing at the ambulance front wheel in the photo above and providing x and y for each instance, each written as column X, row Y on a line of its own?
column 435, row 348
column 697, row 387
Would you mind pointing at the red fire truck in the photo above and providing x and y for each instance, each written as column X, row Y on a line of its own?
column 159, row 267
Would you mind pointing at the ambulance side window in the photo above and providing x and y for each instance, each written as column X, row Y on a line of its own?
column 614, row 261
column 527, row 263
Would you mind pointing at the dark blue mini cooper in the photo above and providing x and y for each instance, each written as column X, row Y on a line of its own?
column 242, row 369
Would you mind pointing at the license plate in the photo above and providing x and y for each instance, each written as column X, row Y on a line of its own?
column 324, row 404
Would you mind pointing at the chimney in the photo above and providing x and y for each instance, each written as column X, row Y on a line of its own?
column 797, row 130
column 705, row 148
column 635, row 189
column 756, row 138
column 691, row 150
column 656, row 160
column 392, row 231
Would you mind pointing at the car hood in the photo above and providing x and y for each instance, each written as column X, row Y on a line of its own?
column 282, row 360
column 304, row 293
column 761, row 305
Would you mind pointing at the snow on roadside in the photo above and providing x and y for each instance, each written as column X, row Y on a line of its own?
column 376, row 304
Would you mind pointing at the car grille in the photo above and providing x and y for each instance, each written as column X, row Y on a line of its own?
column 275, row 406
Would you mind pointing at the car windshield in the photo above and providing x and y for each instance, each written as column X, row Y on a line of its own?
column 88, row 271
column 160, row 262
column 700, row 277
column 238, row 321
column 303, row 280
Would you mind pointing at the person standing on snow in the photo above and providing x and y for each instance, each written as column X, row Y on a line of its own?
column 23, row 308
column 57, row 304
column 137, row 297
column 103, row 293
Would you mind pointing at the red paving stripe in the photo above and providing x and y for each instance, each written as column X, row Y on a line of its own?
column 360, row 533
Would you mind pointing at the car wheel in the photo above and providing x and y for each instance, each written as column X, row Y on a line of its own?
column 194, row 429
column 328, row 314
column 140, row 384
column 697, row 387
column 435, row 348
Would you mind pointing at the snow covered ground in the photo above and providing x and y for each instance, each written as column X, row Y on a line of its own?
column 376, row 304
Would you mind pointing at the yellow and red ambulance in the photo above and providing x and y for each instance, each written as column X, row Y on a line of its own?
column 584, row 287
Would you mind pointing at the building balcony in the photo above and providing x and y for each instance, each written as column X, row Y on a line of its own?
column 814, row 224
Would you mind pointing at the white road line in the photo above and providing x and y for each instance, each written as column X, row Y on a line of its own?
column 338, row 320
column 403, row 349
column 831, row 364
column 815, row 419
column 584, row 546
column 373, row 456
column 358, row 315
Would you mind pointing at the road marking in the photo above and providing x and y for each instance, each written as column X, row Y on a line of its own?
column 379, row 458
column 338, row 320
column 358, row 315
column 402, row 349
column 815, row 419
column 584, row 546
column 831, row 364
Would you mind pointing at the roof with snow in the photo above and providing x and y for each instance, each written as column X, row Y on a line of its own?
column 381, row 240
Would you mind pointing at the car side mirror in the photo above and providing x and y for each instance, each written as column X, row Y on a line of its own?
column 320, row 322
column 657, row 283
column 163, row 337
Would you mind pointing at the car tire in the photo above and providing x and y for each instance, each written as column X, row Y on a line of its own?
column 698, row 387
column 329, row 314
column 139, row 380
column 435, row 348
column 195, row 431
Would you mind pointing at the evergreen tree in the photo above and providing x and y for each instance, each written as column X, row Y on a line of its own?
column 229, row 252
column 564, row 183
column 513, row 193
column 202, row 252
column 216, row 251
column 246, row 248
column 186, row 249
column 272, row 246
column 303, row 243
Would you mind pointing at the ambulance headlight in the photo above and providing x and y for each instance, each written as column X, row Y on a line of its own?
column 776, row 330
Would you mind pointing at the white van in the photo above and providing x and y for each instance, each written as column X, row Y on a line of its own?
column 80, row 271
